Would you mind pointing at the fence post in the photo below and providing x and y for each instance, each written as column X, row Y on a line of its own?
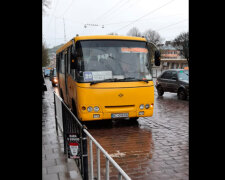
column 98, row 164
column 64, row 129
column 91, row 159
column 56, row 123
column 107, row 169
column 84, row 155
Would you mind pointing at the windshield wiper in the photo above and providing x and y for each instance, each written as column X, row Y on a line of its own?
column 105, row 80
column 118, row 80
column 133, row 78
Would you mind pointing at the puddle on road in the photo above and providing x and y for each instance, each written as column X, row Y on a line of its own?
column 129, row 145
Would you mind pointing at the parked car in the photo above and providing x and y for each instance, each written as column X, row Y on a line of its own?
column 174, row 81
column 53, row 77
column 47, row 72
column 44, row 87
column 51, row 74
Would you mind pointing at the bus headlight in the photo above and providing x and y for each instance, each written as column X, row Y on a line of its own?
column 96, row 108
column 147, row 106
column 89, row 109
column 141, row 106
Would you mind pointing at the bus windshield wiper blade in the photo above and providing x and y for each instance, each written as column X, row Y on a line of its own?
column 118, row 80
column 105, row 80
column 133, row 78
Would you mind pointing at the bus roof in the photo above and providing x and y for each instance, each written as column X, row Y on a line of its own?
column 78, row 38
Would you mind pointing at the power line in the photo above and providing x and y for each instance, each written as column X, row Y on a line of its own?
column 68, row 7
column 145, row 15
column 115, row 10
column 53, row 11
column 119, row 2
column 119, row 12
column 67, row 19
column 141, row 20
column 171, row 25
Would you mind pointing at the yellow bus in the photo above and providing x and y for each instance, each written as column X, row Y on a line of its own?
column 106, row 77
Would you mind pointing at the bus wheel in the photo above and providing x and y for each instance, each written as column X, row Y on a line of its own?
column 134, row 119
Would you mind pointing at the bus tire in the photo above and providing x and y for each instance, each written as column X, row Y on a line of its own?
column 134, row 119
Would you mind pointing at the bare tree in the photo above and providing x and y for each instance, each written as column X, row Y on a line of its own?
column 134, row 32
column 45, row 4
column 153, row 36
column 181, row 42
column 45, row 57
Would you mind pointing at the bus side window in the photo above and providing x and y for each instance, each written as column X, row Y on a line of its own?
column 68, row 59
column 57, row 63
column 62, row 65
column 72, row 71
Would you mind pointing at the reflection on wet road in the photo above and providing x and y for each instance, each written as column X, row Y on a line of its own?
column 125, row 142
column 151, row 148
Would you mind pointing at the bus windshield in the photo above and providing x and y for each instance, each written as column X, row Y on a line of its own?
column 102, row 60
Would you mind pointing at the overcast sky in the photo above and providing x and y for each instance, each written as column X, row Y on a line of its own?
column 168, row 17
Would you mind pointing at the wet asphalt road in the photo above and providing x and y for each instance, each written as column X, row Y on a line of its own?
column 151, row 148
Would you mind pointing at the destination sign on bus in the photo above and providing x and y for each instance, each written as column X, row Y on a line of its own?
column 133, row 50
column 97, row 75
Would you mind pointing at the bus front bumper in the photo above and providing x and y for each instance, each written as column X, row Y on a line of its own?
column 107, row 115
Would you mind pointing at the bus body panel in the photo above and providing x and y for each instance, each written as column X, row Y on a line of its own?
column 72, row 90
column 114, row 100
column 62, row 86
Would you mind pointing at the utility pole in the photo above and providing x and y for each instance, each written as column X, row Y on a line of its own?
column 55, row 31
column 64, row 30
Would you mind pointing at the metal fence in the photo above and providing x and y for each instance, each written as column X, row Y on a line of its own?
column 76, row 138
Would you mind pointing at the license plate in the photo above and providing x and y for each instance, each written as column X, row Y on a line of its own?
column 120, row 115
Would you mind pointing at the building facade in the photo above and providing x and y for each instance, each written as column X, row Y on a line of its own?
column 171, row 58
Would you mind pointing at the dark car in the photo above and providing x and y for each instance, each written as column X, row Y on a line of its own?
column 174, row 81
column 44, row 87
column 53, row 77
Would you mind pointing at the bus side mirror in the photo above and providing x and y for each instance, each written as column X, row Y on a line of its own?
column 157, row 57
column 73, row 64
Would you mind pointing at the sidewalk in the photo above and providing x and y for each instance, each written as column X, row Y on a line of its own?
column 55, row 165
